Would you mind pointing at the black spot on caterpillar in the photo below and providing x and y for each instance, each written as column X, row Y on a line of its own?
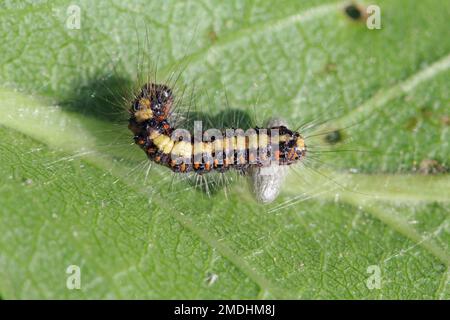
column 211, row 150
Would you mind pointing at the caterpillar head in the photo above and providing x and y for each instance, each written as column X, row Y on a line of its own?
column 152, row 103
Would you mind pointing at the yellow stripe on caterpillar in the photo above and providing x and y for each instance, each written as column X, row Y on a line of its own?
column 143, row 115
column 230, row 143
column 241, row 143
column 145, row 112
column 218, row 145
column 183, row 149
column 163, row 142
column 207, row 148
column 263, row 140
column 253, row 141
column 154, row 134
column 300, row 143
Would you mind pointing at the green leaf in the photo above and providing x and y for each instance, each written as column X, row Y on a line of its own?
column 75, row 191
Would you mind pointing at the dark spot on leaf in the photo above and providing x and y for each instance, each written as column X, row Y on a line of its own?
column 426, row 112
column 212, row 35
column 353, row 11
column 333, row 137
column 330, row 68
column 411, row 124
column 445, row 120
column 430, row 166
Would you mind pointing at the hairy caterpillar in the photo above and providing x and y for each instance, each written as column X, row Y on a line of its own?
column 224, row 149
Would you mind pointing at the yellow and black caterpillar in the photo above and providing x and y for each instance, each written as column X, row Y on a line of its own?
column 223, row 150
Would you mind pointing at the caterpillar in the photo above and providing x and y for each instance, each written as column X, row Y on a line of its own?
column 221, row 150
